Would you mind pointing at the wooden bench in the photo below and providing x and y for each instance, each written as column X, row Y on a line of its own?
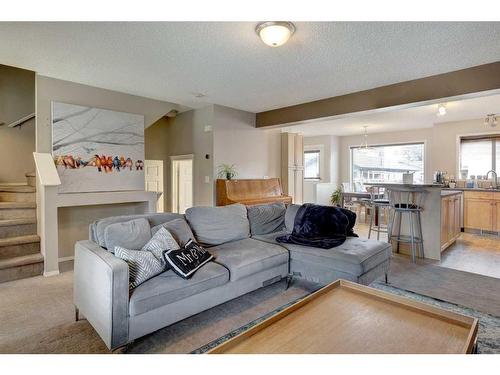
column 250, row 192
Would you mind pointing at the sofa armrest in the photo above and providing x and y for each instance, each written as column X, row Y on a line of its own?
column 101, row 292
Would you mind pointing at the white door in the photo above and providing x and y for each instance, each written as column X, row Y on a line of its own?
column 154, row 180
column 182, row 183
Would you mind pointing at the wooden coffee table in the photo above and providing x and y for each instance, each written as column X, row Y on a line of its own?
column 346, row 317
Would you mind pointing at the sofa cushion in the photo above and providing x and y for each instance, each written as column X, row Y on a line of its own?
column 168, row 287
column 270, row 237
column 355, row 256
column 132, row 234
column 179, row 228
column 217, row 225
column 98, row 227
column 266, row 218
column 291, row 212
column 246, row 257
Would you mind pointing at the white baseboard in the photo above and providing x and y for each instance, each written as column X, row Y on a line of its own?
column 51, row 273
column 65, row 259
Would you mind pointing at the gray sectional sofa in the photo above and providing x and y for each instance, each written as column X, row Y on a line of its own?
column 247, row 257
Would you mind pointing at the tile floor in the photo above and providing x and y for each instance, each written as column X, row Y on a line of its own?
column 474, row 253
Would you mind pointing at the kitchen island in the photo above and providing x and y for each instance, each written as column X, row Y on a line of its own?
column 432, row 218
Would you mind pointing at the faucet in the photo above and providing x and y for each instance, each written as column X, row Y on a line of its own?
column 495, row 183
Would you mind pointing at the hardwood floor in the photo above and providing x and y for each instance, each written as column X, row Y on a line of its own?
column 468, row 275
column 474, row 253
column 471, row 252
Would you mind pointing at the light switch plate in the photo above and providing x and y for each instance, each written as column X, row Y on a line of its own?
column 207, row 179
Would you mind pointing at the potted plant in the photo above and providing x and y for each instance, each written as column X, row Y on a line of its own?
column 336, row 197
column 226, row 171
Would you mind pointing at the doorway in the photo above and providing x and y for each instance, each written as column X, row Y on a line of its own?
column 182, row 183
column 154, row 180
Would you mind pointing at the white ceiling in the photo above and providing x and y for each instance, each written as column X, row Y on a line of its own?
column 227, row 61
column 390, row 120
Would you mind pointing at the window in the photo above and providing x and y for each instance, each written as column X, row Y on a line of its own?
column 311, row 165
column 478, row 155
column 387, row 163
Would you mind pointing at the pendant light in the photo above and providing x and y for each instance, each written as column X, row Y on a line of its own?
column 364, row 145
column 491, row 120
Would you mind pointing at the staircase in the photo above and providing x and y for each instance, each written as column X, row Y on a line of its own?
column 20, row 255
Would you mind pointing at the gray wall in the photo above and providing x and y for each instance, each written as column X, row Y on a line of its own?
column 256, row 153
column 186, row 135
column 17, row 100
column 156, row 148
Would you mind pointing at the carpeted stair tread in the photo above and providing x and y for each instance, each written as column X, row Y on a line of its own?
column 12, row 222
column 14, row 205
column 21, row 261
column 17, row 188
column 20, row 240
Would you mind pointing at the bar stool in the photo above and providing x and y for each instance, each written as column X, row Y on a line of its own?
column 378, row 202
column 409, row 202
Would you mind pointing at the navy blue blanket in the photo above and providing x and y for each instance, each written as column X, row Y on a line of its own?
column 321, row 226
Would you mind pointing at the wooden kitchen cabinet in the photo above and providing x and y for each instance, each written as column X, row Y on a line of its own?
column 482, row 210
column 457, row 215
column 450, row 220
column 497, row 216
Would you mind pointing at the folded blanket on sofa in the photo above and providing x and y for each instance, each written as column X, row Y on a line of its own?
column 321, row 226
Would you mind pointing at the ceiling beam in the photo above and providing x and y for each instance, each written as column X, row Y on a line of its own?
column 460, row 82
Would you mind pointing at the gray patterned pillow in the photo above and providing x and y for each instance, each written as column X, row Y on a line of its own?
column 149, row 261
column 161, row 242
column 142, row 265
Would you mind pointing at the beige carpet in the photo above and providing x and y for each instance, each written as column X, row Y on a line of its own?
column 37, row 314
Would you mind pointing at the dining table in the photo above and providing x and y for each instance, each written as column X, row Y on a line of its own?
column 360, row 195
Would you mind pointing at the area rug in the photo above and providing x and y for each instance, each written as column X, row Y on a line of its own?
column 488, row 341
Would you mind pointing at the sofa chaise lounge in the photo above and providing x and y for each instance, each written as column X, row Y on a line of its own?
column 247, row 257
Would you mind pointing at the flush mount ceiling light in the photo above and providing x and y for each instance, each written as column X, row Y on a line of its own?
column 491, row 120
column 441, row 110
column 275, row 33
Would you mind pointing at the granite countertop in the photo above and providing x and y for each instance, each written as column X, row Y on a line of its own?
column 473, row 189
column 448, row 192
column 395, row 184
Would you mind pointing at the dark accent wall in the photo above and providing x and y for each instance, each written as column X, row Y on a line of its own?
column 466, row 81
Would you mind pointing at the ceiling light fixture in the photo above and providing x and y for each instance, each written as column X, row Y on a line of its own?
column 364, row 145
column 275, row 33
column 491, row 120
column 441, row 110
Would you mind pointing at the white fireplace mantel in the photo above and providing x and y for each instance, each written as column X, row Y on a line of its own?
column 49, row 200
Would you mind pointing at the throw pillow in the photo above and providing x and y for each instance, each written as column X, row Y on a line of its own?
column 186, row 261
column 143, row 265
column 217, row 225
column 159, row 243
column 266, row 218
column 179, row 229
column 132, row 234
